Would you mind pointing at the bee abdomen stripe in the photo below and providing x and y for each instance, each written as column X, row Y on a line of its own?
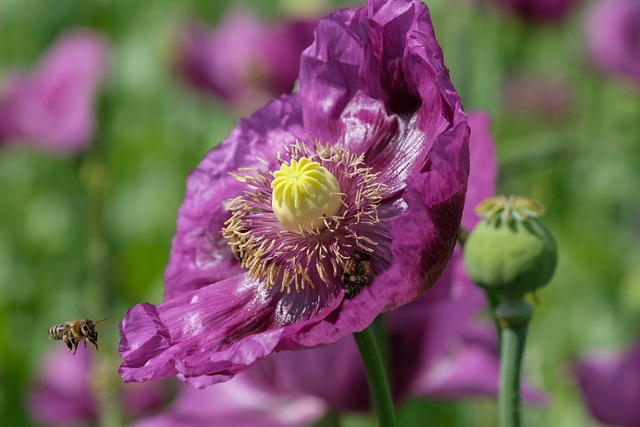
column 57, row 331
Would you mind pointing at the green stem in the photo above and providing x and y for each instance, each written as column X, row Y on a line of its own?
column 511, row 351
column 513, row 317
column 377, row 377
column 99, row 291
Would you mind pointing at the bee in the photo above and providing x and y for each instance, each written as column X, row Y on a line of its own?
column 74, row 331
column 355, row 274
column 237, row 241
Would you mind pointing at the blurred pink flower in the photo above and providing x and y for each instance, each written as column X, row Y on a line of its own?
column 613, row 37
column 244, row 61
column 538, row 96
column 539, row 10
column 610, row 384
column 241, row 402
column 63, row 393
column 52, row 107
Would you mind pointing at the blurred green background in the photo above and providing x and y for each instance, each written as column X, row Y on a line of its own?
column 90, row 235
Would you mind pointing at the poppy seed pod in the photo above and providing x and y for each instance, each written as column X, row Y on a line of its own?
column 510, row 252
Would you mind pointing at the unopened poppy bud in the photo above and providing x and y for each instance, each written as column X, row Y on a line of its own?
column 510, row 252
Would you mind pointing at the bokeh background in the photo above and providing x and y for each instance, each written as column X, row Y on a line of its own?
column 89, row 234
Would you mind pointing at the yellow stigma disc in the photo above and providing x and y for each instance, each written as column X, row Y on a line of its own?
column 303, row 192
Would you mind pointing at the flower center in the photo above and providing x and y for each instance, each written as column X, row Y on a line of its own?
column 311, row 224
column 304, row 194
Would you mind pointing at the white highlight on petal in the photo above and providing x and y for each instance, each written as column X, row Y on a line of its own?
column 192, row 324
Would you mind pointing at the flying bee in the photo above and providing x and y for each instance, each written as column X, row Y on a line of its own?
column 74, row 331
column 355, row 274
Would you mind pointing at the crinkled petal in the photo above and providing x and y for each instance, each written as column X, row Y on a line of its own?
column 200, row 255
column 187, row 333
column 423, row 238
column 376, row 81
column 205, row 336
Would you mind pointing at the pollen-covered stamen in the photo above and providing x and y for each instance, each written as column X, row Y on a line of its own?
column 303, row 193
column 334, row 246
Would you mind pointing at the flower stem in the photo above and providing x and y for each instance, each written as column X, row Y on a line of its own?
column 99, row 292
column 513, row 317
column 512, row 349
column 377, row 377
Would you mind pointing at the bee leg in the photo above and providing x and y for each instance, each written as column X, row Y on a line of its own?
column 95, row 343
column 75, row 346
column 85, row 343
column 66, row 340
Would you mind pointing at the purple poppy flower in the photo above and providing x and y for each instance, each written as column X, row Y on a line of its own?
column 540, row 10
column 423, row 335
column 438, row 349
column 52, row 107
column 368, row 164
column 613, row 37
column 244, row 61
column 610, row 383
column 63, row 394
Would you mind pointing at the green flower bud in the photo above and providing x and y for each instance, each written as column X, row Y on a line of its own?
column 510, row 252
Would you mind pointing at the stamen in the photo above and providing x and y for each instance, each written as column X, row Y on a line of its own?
column 302, row 225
